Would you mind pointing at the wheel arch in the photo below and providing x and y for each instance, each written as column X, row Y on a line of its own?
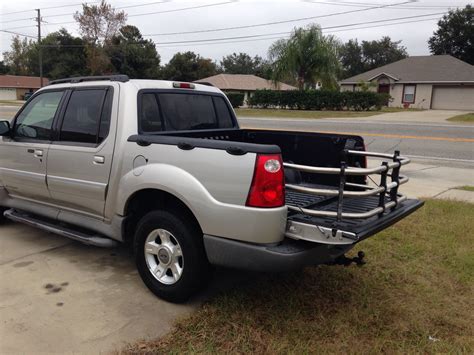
column 148, row 199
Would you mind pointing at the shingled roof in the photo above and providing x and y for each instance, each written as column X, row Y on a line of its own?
column 21, row 82
column 243, row 82
column 430, row 69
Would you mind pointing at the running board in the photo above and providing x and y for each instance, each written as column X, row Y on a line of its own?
column 38, row 222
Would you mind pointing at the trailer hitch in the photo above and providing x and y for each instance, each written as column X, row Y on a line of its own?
column 344, row 260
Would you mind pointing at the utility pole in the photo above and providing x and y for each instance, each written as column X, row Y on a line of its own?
column 40, row 51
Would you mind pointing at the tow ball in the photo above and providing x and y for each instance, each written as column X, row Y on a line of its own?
column 344, row 260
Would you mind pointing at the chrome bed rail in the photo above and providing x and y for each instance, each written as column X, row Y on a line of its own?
column 385, row 190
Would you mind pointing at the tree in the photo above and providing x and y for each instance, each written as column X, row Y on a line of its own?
column 242, row 63
column 307, row 56
column 356, row 58
column 4, row 69
column 189, row 66
column 98, row 24
column 382, row 52
column 133, row 55
column 18, row 58
column 351, row 57
column 455, row 35
column 63, row 55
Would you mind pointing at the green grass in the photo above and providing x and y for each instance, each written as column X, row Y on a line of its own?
column 468, row 117
column 418, row 282
column 251, row 112
column 465, row 188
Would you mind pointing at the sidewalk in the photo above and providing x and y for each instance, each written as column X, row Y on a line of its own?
column 425, row 116
column 433, row 181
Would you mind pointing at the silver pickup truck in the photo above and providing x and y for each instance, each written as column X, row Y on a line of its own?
column 164, row 167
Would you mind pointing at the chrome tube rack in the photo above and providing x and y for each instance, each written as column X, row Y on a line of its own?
column 388, row 169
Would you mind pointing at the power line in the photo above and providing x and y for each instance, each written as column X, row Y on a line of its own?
column 365, row 4
column 184, row 8
column 147, row 4
column 282, row 37
column 279, row 34
column 16, row 33
column 275, row 22
column 133, row 15
column 239, row 27
column 51, row 7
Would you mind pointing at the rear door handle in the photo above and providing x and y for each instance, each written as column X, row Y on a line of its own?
column 38, row 153
column 99, row 159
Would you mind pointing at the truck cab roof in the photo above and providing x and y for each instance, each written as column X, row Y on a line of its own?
column 137, row 83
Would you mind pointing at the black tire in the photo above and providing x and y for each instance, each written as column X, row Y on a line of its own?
column 196, row 270
column 2, row 217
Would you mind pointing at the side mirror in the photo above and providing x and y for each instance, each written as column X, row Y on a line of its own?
column 5, row 129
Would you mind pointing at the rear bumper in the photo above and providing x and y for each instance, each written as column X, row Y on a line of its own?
column 293, row 254
column 288, row 255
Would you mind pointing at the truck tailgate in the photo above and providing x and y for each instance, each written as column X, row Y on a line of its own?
column 350, row 212
column 351, row 230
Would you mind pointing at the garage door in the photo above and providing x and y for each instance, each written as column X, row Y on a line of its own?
column 7, row 94
column 453, row 98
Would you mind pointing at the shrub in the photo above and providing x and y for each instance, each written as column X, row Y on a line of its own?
column 236, row 99
column 319, row 100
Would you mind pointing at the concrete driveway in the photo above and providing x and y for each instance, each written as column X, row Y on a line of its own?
column 59, row 296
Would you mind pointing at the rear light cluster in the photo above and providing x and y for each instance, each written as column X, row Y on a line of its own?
column 268, row 184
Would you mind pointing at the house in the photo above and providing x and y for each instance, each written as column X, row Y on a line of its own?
column 14, row 87
column 243, row 83
column 426, row 82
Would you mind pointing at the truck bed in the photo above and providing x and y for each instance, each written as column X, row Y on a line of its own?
column 307, row 157
column 363, row 227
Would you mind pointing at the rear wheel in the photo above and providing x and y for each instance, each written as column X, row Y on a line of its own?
column 170, row 255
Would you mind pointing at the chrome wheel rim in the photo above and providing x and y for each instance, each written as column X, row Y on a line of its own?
column 164, row 256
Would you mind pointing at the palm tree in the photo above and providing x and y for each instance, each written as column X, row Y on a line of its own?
column 307, row 56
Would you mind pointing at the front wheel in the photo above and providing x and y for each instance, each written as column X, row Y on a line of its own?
column 170, row 255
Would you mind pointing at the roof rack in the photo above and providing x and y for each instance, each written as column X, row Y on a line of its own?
column 79, row 79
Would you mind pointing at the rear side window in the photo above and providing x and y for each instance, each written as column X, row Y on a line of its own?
column 82, row 119
column 182, row 112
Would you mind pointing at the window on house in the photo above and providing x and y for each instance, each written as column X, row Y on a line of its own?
column 409, row 94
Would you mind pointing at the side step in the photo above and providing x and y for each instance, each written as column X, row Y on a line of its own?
column 50, row 226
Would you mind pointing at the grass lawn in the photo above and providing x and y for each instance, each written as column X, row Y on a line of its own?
column 468, row 117
column 465, row 188
column 415, row 295
column 251, row 112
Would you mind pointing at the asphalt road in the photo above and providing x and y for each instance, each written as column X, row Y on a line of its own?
column 447, row 144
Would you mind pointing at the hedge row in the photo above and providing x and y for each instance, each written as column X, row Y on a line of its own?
column 236, row 99
column 319, row 100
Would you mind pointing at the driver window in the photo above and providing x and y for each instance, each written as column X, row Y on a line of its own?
column 36, row 119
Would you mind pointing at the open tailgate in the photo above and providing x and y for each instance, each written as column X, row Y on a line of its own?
column 350, row 212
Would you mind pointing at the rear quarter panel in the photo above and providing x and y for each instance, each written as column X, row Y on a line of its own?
column 212, row 183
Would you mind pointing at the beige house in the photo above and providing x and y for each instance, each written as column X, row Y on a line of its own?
column 426, row 82
column 243, row 83
column 14, row 87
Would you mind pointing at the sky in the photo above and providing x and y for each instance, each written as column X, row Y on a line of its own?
column 215, row 28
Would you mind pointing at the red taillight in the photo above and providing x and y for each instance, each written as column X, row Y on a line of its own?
column 268, row 184
column 184, row 85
